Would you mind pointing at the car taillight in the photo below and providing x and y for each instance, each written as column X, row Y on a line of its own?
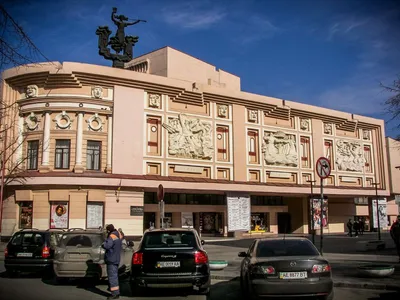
column 263, row 270
column 137, row 258
column 5, row 252
column 200, row 257
column 45, row 252
column 321, row 268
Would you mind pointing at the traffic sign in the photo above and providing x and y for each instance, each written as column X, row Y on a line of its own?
column 323, row 167
column 160, row 192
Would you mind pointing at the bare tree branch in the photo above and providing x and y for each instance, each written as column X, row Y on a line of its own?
column 392, row 104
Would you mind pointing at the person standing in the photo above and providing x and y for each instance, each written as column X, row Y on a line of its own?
column 395, row 234
column 350, row 228
column 113, row 246
column 362, row 226
column 356, row 227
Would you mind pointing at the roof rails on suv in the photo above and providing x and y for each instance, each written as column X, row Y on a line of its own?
column 29, row 229
column 75, row 229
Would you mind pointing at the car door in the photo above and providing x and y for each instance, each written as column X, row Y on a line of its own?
column 246, row 260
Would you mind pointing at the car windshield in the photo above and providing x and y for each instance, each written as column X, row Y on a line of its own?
column 27, row 238
column 169, row 239
column 87, row 240
column 286, row 248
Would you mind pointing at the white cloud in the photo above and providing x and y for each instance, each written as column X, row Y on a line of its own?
column 258, row 28
column 193, row 16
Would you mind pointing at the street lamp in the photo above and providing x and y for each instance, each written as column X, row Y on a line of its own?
column 312, row 209
column 377, row 210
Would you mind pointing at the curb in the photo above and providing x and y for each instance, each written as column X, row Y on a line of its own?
column 339, row 284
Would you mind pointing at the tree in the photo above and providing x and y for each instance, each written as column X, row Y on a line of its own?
column 16, row 50
column 393, row 103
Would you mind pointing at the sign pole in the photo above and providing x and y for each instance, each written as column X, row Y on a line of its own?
column 322, row 215
column 160, row 197
column 162, row 213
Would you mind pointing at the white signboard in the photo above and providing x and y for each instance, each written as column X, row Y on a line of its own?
column 383, row 221
column 94, row 215
column 239, row 210
column 187, row 220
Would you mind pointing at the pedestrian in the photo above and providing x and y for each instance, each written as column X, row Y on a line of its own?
column 122, row 237
column 113, row 246
column 395, row 234
column 356, row 227
column 350, row 228
column 362, row 226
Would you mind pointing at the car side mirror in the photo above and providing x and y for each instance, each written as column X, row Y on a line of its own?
column 242, row 254
column 131, row 244
column 203, row 242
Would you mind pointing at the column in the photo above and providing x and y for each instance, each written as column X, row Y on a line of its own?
column 109, row 144
column 79, row 140
column 20, row 139
column 46, row 143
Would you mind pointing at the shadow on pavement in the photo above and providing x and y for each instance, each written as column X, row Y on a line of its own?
column 387, row 296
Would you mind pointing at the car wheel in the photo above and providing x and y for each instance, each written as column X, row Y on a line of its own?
column 330, row 296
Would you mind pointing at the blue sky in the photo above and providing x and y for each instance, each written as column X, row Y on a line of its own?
column 327, row 53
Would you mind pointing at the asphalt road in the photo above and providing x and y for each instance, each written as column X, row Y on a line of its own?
column 30, row 287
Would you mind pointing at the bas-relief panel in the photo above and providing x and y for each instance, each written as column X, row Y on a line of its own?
column 349, row 156
column 280, row 149
column 189, row 137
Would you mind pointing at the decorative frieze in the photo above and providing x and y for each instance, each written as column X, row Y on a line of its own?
column 222, row 111
column 31, row 91
column 366, row 135
column 253, row 115
column 305, row 124
column 63, row 121
column 279, row 149
column 97, row 92
column 95, row 122
column 32, row 121
column 154, row 100
column 328, row 128
column 349, row 156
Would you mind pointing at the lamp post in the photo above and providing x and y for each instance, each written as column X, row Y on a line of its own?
column 377, row 210
column 312, row 210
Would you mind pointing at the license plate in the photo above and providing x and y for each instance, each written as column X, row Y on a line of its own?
column 293, row 275
column 168, row 264
column 78, row 255
column 24, row 254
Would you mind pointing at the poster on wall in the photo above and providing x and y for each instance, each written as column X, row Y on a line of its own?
column 94, row 215
column 239, row 210
column 59, row 215
column 187, row 220
column 383, row 221
column 315, row 205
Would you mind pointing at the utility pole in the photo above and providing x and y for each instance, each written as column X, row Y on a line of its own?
column 312, row 210
column 377, row 210
column 3, row 170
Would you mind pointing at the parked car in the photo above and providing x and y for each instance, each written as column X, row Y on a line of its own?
column 285, row 267
column 170, row 258
column 80, row 254
column 31, row 250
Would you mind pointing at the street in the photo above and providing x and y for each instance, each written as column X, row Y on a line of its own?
column 30, row 288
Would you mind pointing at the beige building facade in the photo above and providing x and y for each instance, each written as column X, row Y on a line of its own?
column 95, row 143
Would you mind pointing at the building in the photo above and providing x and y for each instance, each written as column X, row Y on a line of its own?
column 393, row 153
column 97, row 142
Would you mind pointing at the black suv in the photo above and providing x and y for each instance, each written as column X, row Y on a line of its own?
column 170, row 258
column 31, row 250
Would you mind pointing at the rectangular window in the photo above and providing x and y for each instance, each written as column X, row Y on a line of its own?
column 62, row 154
column 305, row 152
column 94, row 215
column 252, row 142
column 93, row 155
column 32, row 155
column 328, row 151
column 368, row 159
column 26, row 213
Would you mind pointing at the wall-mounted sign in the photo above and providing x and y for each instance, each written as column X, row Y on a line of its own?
column 136, row 210
column 239, row 209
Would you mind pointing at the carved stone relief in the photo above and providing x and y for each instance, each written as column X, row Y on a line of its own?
column 97, row 92
column 154, row 100
column 366, row 135
column 31, row 91
column 223, row 111
column 63, row 121
column 327, row 128
column 189, row 137
column 349, row 156
column 32, row 121
column 253, row 115
column 95, row 123
column 279, row 149
column 305, row 124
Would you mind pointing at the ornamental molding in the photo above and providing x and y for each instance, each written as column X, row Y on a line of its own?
column 63, row 120
column 95, row 122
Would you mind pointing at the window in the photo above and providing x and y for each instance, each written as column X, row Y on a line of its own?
column 27, row 239
column 93, row 155
column 169, row 239
column 94, row 215
column 90, row 240
column 62, row 154
column 286, row 248
column 32, row 155
column 25, row 212
column 252, row 137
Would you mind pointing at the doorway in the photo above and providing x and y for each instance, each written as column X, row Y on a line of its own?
column 284, row 223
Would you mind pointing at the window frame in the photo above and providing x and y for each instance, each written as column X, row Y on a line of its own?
column 29, row 155
column 20, row 213
column 62, row 155
column 93, row 155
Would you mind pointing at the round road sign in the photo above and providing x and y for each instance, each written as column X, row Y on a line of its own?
column 323, row 167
